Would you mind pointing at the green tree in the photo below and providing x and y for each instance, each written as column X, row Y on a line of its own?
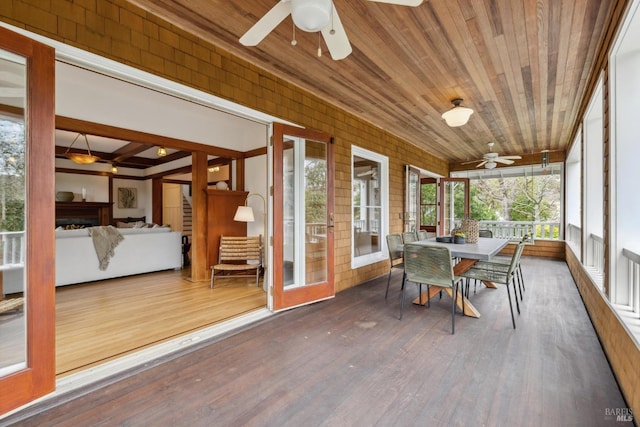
column 12, row 174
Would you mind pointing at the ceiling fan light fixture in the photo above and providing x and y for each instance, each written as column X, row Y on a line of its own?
column 311, row 15
column 490, row 165
column 457, row 116
column 81, row 158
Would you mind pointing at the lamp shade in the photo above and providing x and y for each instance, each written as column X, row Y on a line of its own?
column 81, row 158
column 311, row 15
column 244, row 214
column 458, row 115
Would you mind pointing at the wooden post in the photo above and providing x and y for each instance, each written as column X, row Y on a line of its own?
column 199, row 256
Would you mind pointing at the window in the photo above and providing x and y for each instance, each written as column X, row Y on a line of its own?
column 624, row 237
column 593, row 173
column 369, row 202
column 513, row 201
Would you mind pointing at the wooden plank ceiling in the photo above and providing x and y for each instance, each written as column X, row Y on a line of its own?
column 522, row 66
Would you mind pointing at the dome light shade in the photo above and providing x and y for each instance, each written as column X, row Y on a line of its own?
column 81, row 158
column 458, row 115
column 490, row 165
column 311, row 15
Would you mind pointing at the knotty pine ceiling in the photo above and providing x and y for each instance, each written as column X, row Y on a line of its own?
column 521, row 65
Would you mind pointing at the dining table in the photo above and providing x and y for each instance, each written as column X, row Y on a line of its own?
column 467, row 254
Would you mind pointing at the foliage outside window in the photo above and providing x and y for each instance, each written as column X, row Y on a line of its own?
column 528, row 194
column 12, row 164
column 428, row 204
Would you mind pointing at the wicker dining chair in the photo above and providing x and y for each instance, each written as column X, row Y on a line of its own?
column 485, row 233
column 394, row 245
column 409, row 236
column 430, row 265
column 506, row 260
column 423, row 235
column 497, row 273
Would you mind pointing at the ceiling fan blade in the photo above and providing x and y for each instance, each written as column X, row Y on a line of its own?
column 511, row 157
column 413, row 3
column 503, row 160
column 482, row 164
column 338, row 42
column 471, row 161
column 266, row 24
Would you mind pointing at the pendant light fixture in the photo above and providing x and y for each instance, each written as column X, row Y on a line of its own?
column 458, row 115
column 162, row 151
column 81, row 158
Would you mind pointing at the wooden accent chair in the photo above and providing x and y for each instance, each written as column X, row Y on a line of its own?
column 237, row 255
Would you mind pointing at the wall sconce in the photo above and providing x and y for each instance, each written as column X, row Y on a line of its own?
column 162, row 151
column 458, row 115
column 545, row 158
column 114, row 168
column 214, row 169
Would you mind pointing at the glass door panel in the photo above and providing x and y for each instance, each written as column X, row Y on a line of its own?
column 454, row 203
column 13, row 169
column 428, row 204
column 303, row 216
column 412, row 199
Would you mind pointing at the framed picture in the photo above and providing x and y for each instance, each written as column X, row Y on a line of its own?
column 127, row 198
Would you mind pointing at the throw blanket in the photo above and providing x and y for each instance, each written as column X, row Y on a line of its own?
column 105, row 239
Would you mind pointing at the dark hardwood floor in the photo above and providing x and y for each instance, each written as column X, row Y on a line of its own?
column 350, row 362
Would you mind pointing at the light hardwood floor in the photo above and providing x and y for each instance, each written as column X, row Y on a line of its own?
column 99, row 321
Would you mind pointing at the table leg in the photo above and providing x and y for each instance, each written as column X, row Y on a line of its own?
column 469, row 309
column 489, row 284
column 462, row 266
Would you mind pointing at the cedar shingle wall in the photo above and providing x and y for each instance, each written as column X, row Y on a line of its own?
column 621, row 351
column 127, row 34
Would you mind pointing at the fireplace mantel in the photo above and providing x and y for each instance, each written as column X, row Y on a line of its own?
column 88, row 213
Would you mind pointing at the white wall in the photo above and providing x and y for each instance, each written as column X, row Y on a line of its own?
column 256, row 182
column 144, row 197
column 97, row 187
column 90, row 96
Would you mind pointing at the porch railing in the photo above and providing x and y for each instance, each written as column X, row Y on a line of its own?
column 633, row 278
column 574, row 236
column 12, row 247
column 595, row 259
column 515, row 230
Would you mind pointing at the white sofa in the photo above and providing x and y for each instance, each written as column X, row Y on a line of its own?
column 143, row 250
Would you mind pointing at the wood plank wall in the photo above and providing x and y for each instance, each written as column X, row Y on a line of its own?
column 622, row 352
column 541, row 248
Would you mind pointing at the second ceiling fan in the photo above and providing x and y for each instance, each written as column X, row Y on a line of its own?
column 310, row 16
column 490, row 160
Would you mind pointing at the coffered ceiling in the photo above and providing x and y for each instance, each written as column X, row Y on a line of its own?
column 522, row 66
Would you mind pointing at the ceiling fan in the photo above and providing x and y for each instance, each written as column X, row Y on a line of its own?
column 491, row 159
column 310, row 16
column 371, row 172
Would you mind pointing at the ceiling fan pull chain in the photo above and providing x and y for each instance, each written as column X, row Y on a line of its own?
column 293, row 40
column 319, row 45
column 332, row 31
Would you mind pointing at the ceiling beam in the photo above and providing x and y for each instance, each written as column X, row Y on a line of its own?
column 107, row 131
